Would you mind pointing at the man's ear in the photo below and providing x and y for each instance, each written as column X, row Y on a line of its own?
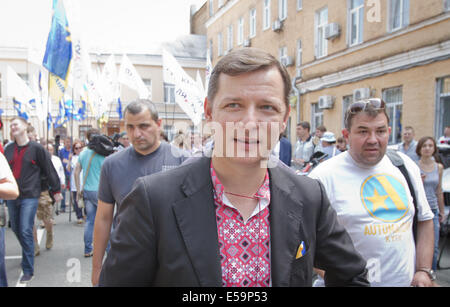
column 207, row 109
column 345, row 134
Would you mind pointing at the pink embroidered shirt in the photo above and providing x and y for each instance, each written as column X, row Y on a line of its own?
column 244, row 245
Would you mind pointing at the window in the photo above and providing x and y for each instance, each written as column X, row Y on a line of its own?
column 82, row 132
column 252, row 22
column 266, row 14
column 211, row 7
column 211, row 49
column 446, row 5
column 443, row 106
column 394, row 104
column 346, row 102
column 220, row 3
column 398, row 14
column 240, row 38
column 168, row 130
column 0, row 85
column 282, row 52
column 299, row 5
column 356, row 22
column 219, row 44
column 299, row 57
column 169, row 93
column 321, row 21
column 148, row 85
column 316, row 116
column 282, row 9
column 230, row 38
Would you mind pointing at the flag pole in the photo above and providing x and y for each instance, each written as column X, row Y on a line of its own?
column 48, row 104
column 70, row 160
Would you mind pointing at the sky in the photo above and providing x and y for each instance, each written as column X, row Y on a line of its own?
column 105, row 25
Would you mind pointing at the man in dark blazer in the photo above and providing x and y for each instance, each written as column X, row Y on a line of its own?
column 285, row 151
column 233, row 219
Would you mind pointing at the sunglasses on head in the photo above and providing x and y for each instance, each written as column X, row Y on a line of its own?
column 361, row 105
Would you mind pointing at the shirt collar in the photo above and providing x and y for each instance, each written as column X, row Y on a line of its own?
column 263, row 193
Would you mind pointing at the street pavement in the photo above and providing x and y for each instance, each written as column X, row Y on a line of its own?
column 65, row 265
column 62, row 266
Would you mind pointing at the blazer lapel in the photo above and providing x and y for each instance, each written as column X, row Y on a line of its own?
column 285, row 224
column 196, row 219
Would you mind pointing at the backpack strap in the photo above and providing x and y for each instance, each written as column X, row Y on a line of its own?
column 398, row 162
column 87, row 171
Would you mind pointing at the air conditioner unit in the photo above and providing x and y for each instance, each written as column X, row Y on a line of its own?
column 361, row 93
column 326, row 102
column 247, row 43
column 332, row 30
column 287, row 61
column 277, row 25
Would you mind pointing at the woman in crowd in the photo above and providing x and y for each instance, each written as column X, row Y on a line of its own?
column 77, row 147
column 432, row 180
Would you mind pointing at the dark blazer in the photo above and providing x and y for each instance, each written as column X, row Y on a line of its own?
column 166, row 233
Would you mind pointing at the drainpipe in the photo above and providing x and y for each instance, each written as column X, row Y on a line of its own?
column 297, row 95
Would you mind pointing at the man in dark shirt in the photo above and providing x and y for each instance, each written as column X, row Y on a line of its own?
column 28, row 161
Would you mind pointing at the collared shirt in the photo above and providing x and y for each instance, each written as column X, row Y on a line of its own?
column 304, row 149
column 244, row 245
column 411, row 151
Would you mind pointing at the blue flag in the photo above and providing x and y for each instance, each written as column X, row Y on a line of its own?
column 21, row 112
column 119, row 108
column 59, row 46
column 49, row 121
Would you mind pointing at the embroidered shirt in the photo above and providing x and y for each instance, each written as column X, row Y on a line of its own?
column 244, row 245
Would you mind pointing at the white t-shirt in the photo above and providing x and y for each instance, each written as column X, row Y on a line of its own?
column 59, row 169
column 5, row 170
column 73, row 165
column 376, row 208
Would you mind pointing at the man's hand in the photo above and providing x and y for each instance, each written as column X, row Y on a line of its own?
column 58, row 197
column 421, row 279
column 79, row 196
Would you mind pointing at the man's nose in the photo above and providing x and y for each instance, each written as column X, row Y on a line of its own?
column 372, row 137
column 137, row 132
column 250, row 115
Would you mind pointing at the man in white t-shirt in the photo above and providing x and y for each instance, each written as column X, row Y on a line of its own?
column 8, row 190
column 374, row 204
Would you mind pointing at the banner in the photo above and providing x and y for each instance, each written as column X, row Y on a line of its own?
column 187, row 94
column 129, row 76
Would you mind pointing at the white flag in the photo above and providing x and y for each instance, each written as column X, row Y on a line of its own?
column 129, row 76
column 78, row 70
column 40, row 113
column 111, row 85
column 187, row 94
column 198, row 79
column 91, row 89
column 208, row 70
column 17, row 89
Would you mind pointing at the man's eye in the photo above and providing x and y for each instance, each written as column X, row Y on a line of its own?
column 269, row 107
column 232, row 105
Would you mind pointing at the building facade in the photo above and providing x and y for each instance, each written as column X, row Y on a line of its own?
column 342, row 50
column 189, row 51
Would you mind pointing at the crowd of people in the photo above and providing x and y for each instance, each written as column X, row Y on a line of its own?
column 161, row 214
